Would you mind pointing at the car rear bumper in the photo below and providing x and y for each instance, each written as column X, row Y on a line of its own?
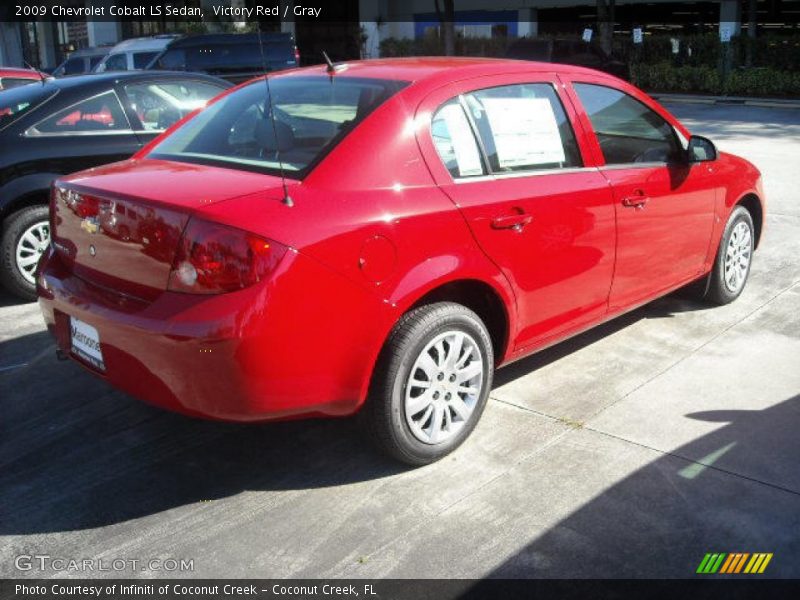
column 240, row 356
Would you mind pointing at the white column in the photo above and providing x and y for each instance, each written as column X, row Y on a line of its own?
column 47, row 44
column 528, row 22
column 10, row 45
column 730, row 16
column 372, row 47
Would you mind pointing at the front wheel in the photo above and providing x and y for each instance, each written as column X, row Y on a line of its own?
column 431, row 383
column 735, row 253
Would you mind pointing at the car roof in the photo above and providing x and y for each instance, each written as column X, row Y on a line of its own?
column 108, row 77
column 143, row 43
column 227, row 38
column 90, row 51
column 430, row 69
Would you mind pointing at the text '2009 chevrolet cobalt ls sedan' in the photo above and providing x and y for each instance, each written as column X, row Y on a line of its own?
column 380, row 237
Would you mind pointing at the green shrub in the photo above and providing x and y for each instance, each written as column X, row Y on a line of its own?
column 666, row 77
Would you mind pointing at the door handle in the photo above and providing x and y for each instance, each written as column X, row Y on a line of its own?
column 515, row 222
column 637, row 200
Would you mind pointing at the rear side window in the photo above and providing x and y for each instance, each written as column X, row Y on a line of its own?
column 6, row 83
column 99, row 114
column 17, row 102
column 160, row 105
column 307, row 118
column 627, row 130
column 523, row 127
column 454, row 141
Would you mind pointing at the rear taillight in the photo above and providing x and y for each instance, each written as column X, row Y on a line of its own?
column 297, row 56
column 214, row 259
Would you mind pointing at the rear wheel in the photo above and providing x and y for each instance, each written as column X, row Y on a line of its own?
column 735, row 253
column 431, row 384
column 26, row 235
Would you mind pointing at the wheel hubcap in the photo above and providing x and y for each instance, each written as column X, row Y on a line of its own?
column 737, row 257
column 30, row 248
column 443, row 387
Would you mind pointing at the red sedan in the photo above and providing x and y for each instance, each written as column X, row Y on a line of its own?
column 11, row 77
column 382, row 236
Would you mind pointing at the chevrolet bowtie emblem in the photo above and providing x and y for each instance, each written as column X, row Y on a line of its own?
column 90, row 225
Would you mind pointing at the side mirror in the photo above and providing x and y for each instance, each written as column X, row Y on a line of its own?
column 701, row 149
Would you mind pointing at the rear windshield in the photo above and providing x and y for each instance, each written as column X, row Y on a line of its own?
column 311, row 115
column 17, row 101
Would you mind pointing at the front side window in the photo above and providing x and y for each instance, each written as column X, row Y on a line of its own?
column 172, row 60
column 160, row 105
column 307, row 117
column 627, row 130
column 116, row 62
column 523, row 127
column 73, row 66
column 99, row 114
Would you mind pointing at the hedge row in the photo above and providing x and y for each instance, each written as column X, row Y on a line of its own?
column 666, row 77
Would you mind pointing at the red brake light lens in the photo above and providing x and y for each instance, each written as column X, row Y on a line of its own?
column 214, row 259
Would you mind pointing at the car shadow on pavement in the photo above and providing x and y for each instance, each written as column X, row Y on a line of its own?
column 7, row 299
column 77, row 454
column 736, row 489
column 662, row 308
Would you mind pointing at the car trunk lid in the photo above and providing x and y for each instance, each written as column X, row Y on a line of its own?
column 119, row 226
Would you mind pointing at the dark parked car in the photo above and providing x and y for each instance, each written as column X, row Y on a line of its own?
column 235, row 57
column 570, row 52
column 74, row 123
column 82, row 61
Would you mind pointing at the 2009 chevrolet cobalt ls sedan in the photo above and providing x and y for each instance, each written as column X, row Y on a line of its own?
column 380, row 237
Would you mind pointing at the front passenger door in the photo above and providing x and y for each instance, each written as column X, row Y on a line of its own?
column 664, row 204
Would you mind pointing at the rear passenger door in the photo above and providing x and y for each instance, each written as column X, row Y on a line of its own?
column 507, row 152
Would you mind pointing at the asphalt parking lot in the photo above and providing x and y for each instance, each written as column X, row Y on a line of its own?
column 630, row 451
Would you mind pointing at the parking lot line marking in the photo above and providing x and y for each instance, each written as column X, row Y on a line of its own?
column 11, row 367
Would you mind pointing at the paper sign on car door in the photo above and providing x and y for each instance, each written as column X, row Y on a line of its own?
column 525, row 131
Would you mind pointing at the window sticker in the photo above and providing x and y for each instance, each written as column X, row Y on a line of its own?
column 525, row 131
column 463, row 142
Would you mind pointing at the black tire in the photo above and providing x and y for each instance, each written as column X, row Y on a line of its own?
column 14, row 227
column 718, row 290
column 384, row 417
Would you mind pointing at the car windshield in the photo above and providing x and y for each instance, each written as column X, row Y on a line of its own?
column 311, row 115
column 17, row 101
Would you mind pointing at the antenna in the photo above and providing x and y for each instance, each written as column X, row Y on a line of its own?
column 38, row 72
column 332, row 68
column 287, row 199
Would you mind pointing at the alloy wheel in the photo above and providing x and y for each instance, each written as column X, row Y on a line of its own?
column 444, row 387
column 737, row 256
column 30, row 247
